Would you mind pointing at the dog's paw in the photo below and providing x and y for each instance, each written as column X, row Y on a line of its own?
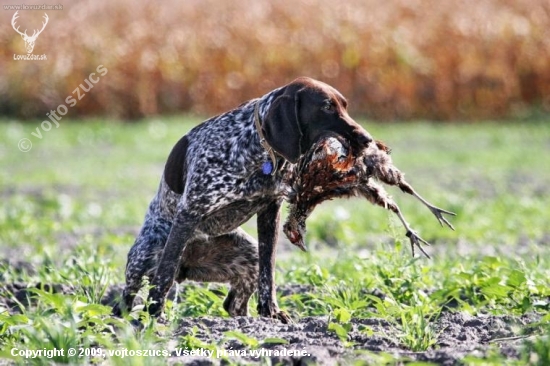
column 137, row 324
column 156, row 304
column 283, row 317
column 117, row 311
column 273, row 312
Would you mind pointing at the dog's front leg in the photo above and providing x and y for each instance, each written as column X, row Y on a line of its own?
column 183, row 229
column 268, row 232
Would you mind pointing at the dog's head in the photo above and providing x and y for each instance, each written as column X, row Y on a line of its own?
column 305, row 111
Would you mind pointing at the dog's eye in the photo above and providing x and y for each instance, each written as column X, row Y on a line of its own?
column 328, row 106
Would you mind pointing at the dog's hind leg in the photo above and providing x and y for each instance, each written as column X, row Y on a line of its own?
column 231, row 258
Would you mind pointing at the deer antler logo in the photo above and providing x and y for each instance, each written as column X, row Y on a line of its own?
column 29, row 40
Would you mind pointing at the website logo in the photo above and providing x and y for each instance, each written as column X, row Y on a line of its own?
column 29, row 40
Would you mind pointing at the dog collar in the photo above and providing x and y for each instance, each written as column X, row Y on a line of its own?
column 266, row 168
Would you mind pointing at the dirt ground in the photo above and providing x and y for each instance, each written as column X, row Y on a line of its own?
column 459, row 335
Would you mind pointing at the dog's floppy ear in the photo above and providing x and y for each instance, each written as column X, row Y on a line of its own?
column 282, row 127
column 174, row 170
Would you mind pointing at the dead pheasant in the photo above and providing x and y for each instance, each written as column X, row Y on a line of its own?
column 330, row 170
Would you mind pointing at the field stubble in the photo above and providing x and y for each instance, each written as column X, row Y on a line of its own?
column 395, row 59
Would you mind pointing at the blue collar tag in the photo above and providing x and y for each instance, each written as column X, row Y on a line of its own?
column 267, row 167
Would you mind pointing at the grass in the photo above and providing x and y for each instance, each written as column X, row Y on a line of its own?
column 73, row 204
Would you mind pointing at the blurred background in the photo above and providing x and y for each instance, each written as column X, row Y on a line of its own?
column 393, row 59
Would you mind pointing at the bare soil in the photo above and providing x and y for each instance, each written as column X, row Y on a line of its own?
column 459, row 334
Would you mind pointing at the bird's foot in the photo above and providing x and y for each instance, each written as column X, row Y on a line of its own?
column 416, row 240
column 438, row 213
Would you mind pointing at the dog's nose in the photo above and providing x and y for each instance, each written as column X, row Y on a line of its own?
column 364, row 139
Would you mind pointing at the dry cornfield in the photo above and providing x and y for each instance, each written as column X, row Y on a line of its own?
column 396, row 59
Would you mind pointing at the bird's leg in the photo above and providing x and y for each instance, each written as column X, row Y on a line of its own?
column 411, row 234
column 386, row 172
column 376, row 195
column 438, row 212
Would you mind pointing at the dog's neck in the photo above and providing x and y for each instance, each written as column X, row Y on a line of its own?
column 272, row 154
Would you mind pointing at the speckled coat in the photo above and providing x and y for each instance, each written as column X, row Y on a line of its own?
column 215, row 179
